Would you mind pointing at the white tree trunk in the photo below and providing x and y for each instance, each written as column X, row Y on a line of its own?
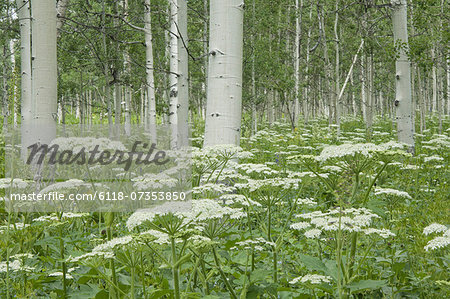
column 127, row 88
column 173, row 77
column 183, row 76
column 13, row 72
column 224, row 94
column 25, row 65
column 44, row 71
column 118, row 107
column 448, row 83
column 363, row 87
column 405, row 127
column 307, row 87
column 150, row 111
column 61, row 9
column 298, row 23
column 337, row 103
column 434, row 100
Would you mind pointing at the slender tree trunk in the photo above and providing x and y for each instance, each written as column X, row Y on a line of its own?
column 127, row 88
column 106, row 72
column 224, row 107
column 405, row 127
column 298, row 29
column 5, row 104
column 448, row 83
column 337, row 103
column 370, row 95
column 183, row 76
column 150, row 106
column 421, row 103
column 434, row 100
column 329, row 95
column 25, row 66
column 44, row 71
column 364, row 86
column 13, row 81
column 307, row 83
column 254, row 97
column 61, row 9
column 173, row 77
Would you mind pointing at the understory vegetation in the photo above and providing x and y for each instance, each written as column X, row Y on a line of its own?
column 289, row 214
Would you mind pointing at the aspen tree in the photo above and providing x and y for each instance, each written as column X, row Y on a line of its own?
column 403, row 105
column 224, row 93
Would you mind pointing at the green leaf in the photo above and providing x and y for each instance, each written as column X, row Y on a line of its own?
column 366, row 285
column 313, row 263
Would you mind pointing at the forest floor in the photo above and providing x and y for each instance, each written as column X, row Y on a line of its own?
column 300, row 214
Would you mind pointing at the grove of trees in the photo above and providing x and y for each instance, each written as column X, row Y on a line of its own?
column 179, row 62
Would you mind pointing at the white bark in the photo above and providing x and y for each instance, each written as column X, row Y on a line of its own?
column 127, row 89
column 448, row 83
column 350, row 71
column 306, row 93
column 173, row 77
column 44, row 72
column 150, row 106
column 224, row 94
column 363, row 87
column 25, row 65
column 298, row 22
column 183, row 76
column 434, row 101
column 13, row 72
column 405, row 127
column 337, row 103
column 61, row 9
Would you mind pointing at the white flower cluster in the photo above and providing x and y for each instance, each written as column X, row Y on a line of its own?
column 255, row 244
column 434, row 158
column 15, row 226
column 111, row 244
column 434, row 228
column 352, row 220
column 156, row 236
column 178, row 208
column 251, row 168
column 284, row 183
column 60, row 274
column 332, row 168
column 393, row 192
column 442, row 141
column 438, row 242
column 105, row 250
column 14, row 183
column 89, row 255
column 312, row 279
column 152, row 181
column 213, row 188
column 292, row 174
column 75, row 144
column 365, row 149
column 22, row 256
column 69, row 184
column 239, row 199
column 204, row 209
column 384, row 233
column 15, row 266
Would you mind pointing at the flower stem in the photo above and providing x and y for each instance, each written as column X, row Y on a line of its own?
column 225, row 280
column 175, row 270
